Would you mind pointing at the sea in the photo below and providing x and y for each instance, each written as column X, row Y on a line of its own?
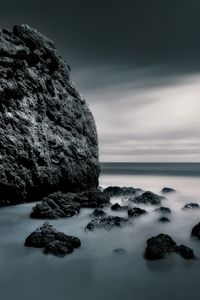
column 94, row 271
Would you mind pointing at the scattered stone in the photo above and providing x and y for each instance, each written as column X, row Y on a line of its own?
column 58, row 248
column 162, row 244
column 163, row 209
column 116, row 191
column 159, row 246
column 53, row 241
column 196, row 231
column 167, row 190
column 98, row 213
column 92, row 198
column 191, row 206
column 148, row 198
column 136, row 212
column 164, row 220
column 48, row 139
column 185, row 252
column 118, row 207
column 108, row 222
column 119, row 251
column 59, row 205
column 55, row 206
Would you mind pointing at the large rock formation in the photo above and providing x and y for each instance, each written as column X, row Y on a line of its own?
column 48, row 139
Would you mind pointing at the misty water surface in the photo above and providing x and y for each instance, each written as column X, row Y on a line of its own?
column 93, row 271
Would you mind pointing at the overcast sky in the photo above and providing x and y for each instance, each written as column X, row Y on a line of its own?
column 136, row 62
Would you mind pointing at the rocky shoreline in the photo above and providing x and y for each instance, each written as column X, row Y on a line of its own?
column 59, row 205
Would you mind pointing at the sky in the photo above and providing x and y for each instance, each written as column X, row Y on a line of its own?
column 137, row 64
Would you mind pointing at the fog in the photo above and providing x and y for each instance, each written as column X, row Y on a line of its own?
column 93, row 271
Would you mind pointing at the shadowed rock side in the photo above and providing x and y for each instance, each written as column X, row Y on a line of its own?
column 48, row 138
column 161, row 245
column 60, row 205
column 108, row 223
column 53, row 241
column 148, row 198
column 117, row 191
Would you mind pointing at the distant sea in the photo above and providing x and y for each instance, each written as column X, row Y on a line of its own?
column 162, row 169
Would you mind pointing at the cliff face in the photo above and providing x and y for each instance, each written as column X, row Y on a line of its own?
column 48, row 138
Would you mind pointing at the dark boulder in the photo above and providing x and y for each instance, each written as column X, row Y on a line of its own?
column 108, row 222
column 164, row 220
column 93, row 198
column 185, row 252
column 48, row 138
column 53, row 241
column 148, row 198
column 191, row 206
column 118, row 207
column 98, row 213
column 196, row 231
column 55, row 206
column 60, row 205
column 163, row 209
column 167, row 190
column 117, row 191
column 136, row 212
column 159, row 246
column 58, row 248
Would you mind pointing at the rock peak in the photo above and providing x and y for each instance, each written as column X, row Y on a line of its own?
column 48, row 138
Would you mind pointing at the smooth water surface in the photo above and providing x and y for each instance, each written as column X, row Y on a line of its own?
column 93, row 271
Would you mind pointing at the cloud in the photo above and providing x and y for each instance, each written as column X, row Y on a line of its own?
column 146, row 116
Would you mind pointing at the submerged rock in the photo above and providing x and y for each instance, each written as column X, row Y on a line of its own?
column 148, row 198
column 159, row 246
column 136, row 212
column 167, row 190
column 116, row 191
column 164, row 220
column 60, row 205
column 191, row 206
column 98, row 213
column 163, row 209
column 196, row 231
column 108, row 222
column 53, row 241
column 48, row 139
column 185, row 252
column 119, row 251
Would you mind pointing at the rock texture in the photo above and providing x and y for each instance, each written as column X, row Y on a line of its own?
column 48, row 138
column 136, row 212
column 53, row 241
column 61, row 205
column 108, row 222
column 159, row 246
column 148, row 198
column 117, row 191
column 118, row 207
column 98, row 213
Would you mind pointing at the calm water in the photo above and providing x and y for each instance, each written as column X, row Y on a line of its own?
column 93, row 271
